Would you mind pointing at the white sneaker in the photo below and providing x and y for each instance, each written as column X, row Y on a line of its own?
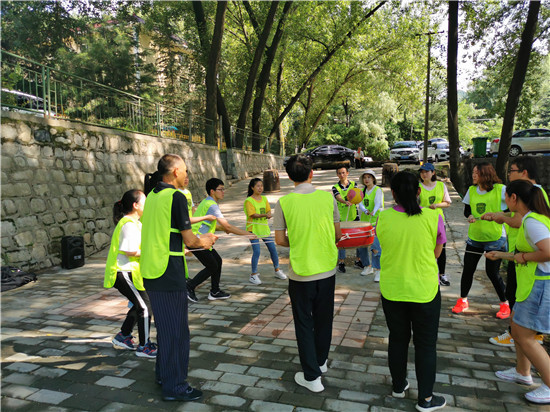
column 280, row 274
column 377, row 275
column 540, row 395
column 313, row 386
column 324, row 367
column 512, row 375
column 255, row 279
column 367, row 271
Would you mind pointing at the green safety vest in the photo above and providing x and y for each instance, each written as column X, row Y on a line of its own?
column 155, row 234
column 112, row 267
column 189, row 198
column 429, row 197
column 512, row 232
column 408, row 265
column 200, row 212
column 311, row 234
column 347, row 213
column 257, row 226
column 368, row 202
column 485, row 230
column 526, row 273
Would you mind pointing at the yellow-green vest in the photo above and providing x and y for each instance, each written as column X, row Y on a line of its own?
column 201, row 211
column 311, row 234
column 368, row 202
column 155, row 234
column 347, row 213
column 429, row 197
column 189, row 198
column 258, row 226
column 112, row 267
column 526, row 273
column 485, row 230
column 408, row 265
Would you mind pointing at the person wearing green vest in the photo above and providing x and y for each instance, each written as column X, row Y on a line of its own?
column 123, row 273
column 521, row 168
column 308, row 222
column 257, row 211
column 412, row 238
column 210, row 259
column 434, row 194
column 485, row 195
column 531, row 314
column 166, row 230
column 369, row 210
column 347, row 210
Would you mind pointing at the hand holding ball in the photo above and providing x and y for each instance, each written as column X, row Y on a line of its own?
column 355, row 196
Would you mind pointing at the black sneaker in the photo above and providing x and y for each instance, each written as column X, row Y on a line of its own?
column 191, row 294
column 341, row 268
column 437, row 402
column 444, row 281
column 220, row 294
column 191, row 394
column 358, row 264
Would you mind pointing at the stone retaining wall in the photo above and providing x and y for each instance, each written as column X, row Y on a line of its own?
column 62, row 178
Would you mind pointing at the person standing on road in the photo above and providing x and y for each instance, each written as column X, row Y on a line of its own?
column 531, row 313
column 434, row 194
column 307, row 221
column 411, row 238
column 166, row 231
column 358, row 156
column 485, row 195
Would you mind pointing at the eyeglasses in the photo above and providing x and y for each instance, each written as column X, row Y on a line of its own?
column 221, row 190
column 512, row 170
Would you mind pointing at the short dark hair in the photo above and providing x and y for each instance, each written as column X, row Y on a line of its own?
column 212, row 184
column 165, row 165
column 298, row 167
column 528, row 164
column 343, row 166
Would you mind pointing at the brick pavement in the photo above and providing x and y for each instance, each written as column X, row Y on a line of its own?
column 56, row 352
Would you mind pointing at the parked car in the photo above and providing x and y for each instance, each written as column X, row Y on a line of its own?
column 526, row 141
column 405, row 151
column 366, row 161
column 331, row 155
column 431, row 141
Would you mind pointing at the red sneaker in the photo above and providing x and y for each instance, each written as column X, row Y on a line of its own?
column 504, row 312
column 460, row 306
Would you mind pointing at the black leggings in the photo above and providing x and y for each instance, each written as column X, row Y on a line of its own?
column 442, row 260
column 212, row 263
column 491, row 268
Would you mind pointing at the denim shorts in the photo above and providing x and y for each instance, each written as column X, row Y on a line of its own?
column 500, row 244
column 534, row 312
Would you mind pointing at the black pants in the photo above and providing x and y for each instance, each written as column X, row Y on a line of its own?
column 442, row 261
column 358, row 163
column 212, row 263
column 491, row 268
column 423, row 318
column 511, row 284
column 172, row 362
column 313, row 310
column 140, row 313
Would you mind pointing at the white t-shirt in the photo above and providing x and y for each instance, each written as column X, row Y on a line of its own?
column 129, row 241
column 535, row 231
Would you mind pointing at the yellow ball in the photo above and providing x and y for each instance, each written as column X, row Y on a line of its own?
column 355, row 196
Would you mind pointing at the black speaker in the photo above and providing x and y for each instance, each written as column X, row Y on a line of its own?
column 72, row 252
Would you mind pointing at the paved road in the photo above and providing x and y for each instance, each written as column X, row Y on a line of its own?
column 57, row 355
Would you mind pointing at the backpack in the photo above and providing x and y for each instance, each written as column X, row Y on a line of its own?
column 13, row 277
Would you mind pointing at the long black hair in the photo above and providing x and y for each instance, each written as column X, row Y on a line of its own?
column 251, row 186
column 126, row 204
column 529, row 194
column 165, row 165
column 405, row 191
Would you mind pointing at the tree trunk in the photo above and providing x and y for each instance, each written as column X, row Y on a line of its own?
column 514, row 93
column 318, row 69
column 457, row 178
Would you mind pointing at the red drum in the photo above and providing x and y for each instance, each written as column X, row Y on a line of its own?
column 355, row 234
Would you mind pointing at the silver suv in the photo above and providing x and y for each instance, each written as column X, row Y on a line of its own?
column 526, row 141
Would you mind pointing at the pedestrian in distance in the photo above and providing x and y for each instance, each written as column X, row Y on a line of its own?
column 358, row 157
column 485, row 195
column 412, row 239
column 122, row 271
column 307, row 221
column 258, row 211
column 166, row 232
column 531, row 313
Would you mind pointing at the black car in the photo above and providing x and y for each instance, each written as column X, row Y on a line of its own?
column 331, row 156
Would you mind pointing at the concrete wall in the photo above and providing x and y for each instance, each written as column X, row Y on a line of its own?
column 241, row 164
column 61, row 178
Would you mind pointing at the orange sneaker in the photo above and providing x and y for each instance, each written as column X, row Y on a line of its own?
column 504, row 312
column 461, row 306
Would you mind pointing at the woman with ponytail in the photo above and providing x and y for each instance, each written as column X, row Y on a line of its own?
column 412, row 239
column 122, row 271
column 257, row 211
column 531, row 313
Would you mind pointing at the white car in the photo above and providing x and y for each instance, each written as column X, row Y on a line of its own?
column 526, row 141
column 405, row 151
column 438, row 151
